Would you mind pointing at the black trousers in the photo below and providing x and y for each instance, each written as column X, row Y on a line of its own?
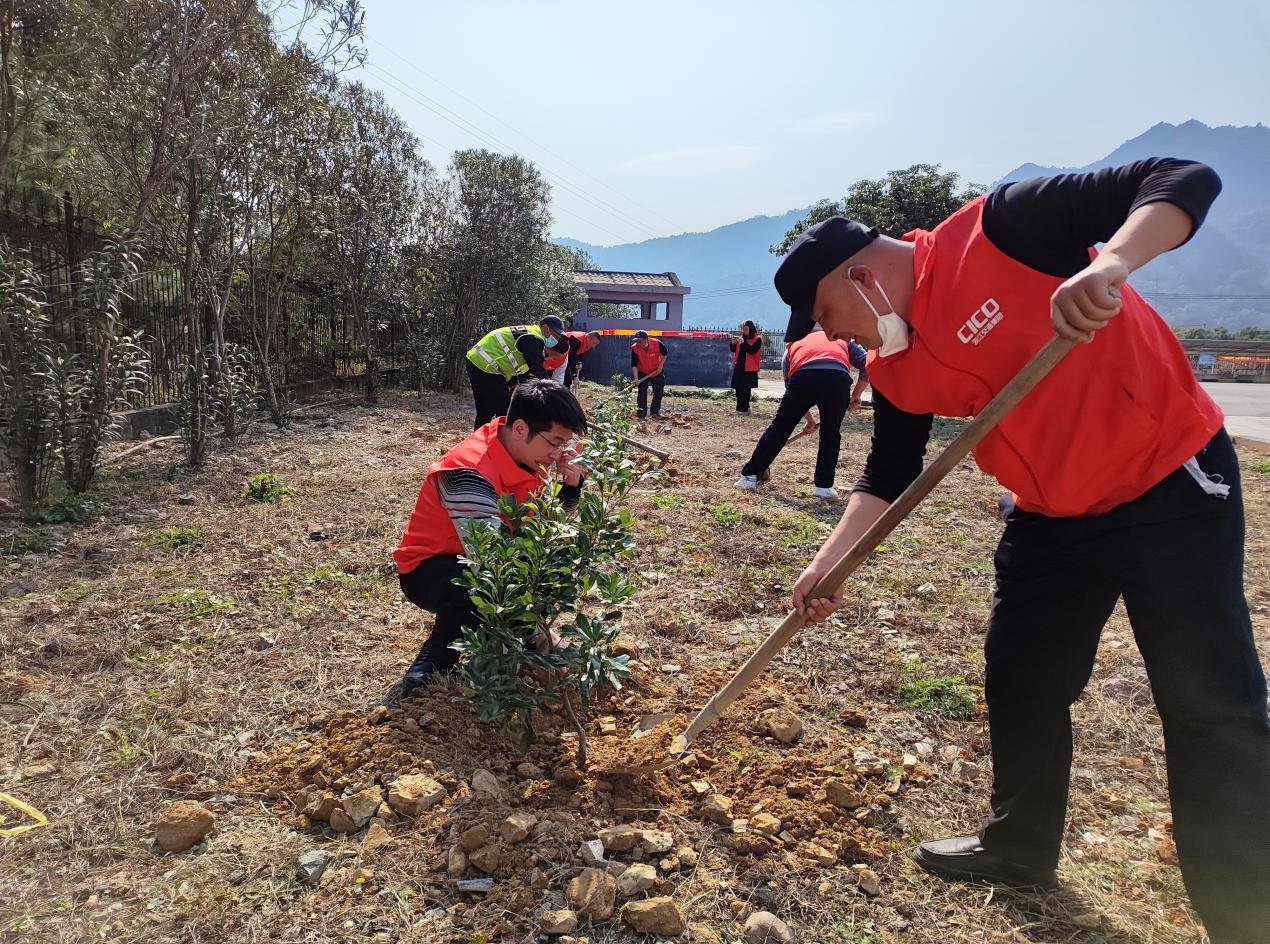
column 491, row 393
column 431, row 586
column 658, row 383
column 743, row 399
column 1175, row 555
column 828, row 390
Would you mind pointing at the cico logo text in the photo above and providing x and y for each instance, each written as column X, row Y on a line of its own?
column 978, row 325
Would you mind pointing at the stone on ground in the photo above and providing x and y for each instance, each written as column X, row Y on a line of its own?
column 472, row 839
column 717, row 809
column 619, row 838
column 763, row 927
column 636, row 878
column 591, row 894
column 842, row 795
column 414, row 793
column 516, row 827
column 485, row 782
column 660, row 916
column 558, row 922
column 592, row 853
column 310, row 866
column 486, row 858
column 780, row 723
column 361, row 806
column 182, row 825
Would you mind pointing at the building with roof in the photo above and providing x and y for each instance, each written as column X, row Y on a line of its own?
column 658, row 296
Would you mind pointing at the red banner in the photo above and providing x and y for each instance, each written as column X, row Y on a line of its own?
column 628, row 332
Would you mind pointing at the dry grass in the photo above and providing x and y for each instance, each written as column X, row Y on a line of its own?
column 135, row 674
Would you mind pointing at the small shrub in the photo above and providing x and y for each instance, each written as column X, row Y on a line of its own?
column 193, row 604
column 949, row 696
column 1263, row 467
column 554, row 570
column 23, row 541
column 725, row 515
column 70, row 508
column 171, row 538
column 668, row 501
column 267, row 487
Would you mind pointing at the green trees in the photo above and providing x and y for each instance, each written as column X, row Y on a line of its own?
column 916, row 198
column 483, row 259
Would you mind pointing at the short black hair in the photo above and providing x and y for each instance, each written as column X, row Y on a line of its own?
column 543, row 403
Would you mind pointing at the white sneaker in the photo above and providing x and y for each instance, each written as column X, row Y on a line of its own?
column 830, row 492
column 747, row 483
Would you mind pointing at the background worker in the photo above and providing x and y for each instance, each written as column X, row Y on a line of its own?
column 504, row 357
column 648, row 360
column 506, row 456
column 817, row 374
column 580, row 343
column 746, row 358
column 1128, row 489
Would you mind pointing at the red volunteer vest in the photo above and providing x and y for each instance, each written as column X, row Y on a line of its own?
column 1108, row 423
column 551, row 360
column 430, row 532
column 752, row 360
column 584, row 339
column 649, row 360
column 816, row 347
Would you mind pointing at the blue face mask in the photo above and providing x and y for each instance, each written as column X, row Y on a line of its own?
column 549, row 341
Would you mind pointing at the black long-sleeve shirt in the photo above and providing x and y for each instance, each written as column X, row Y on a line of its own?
column 532, row 348
column 1048, row 224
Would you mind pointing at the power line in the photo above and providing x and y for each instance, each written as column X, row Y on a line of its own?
column 394, row 83
column 469, row 127
column 515, row 130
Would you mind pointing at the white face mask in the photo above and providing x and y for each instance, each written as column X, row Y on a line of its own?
column 892, row 328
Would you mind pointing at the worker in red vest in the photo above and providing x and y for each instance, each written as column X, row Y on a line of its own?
column 648, row 360
column 746, row 361
column 506, row 456
column 1125, row 486
column 580, row 343
column 817, row 373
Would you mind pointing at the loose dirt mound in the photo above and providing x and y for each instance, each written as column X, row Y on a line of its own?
column 745, row 800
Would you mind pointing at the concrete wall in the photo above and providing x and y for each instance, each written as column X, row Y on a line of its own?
column 693, row 362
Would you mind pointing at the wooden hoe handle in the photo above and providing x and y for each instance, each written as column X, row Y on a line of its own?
column 1028, row 377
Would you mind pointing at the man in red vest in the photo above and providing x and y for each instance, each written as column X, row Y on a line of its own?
column 648, row 360
column 580, row 344
column 816, row 370
column 1125, row 486
column 506, row 456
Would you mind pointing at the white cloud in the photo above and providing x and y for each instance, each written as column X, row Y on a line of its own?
column 835, row 123
column 692, row 162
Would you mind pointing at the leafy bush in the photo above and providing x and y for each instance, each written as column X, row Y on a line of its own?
column 63, row 380
column 28, row 405
column 171, row 538
column 947, row 695
column 553, row 572
column 70, row 507
column 267, row 487
column 1262, row 467
column 235, row 398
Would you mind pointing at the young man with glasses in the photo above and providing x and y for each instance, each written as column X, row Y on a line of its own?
column 506, row 456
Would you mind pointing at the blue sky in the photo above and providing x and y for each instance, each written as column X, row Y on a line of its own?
column 656, row 118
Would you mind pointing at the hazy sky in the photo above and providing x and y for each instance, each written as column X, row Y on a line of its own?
column 654, row 118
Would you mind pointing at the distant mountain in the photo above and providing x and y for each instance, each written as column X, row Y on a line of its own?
column 730, row 269
column 1230, row 255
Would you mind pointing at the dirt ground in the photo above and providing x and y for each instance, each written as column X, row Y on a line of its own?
column 236, row 663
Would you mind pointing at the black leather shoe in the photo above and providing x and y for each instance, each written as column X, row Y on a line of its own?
column 963, row 859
